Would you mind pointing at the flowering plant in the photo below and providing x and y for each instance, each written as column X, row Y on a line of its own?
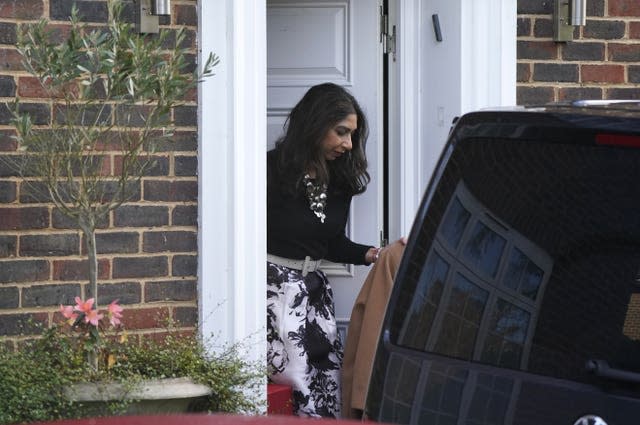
column 37, row 379
column 90, row 323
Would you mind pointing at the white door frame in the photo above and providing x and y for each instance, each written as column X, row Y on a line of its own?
column 232, row 170
column 473, row 67
column 405, row 92
column 232, row 140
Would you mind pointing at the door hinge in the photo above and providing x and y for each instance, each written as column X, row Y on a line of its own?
column 383, row 241
column 387, row 37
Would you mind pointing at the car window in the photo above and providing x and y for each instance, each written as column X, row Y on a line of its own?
column 528, row 258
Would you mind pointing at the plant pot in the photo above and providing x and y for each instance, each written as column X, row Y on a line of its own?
column 156, row 396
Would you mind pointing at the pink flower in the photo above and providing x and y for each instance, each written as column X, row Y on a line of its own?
column 115, row 313
column 93, row 317
column 84, row 306
column 67, row 312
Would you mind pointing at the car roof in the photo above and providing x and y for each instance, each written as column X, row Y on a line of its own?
column 555, row 122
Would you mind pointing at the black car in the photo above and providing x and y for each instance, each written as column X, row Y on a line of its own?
column 517, row 300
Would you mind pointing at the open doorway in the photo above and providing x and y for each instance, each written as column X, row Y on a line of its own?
column 311, row 42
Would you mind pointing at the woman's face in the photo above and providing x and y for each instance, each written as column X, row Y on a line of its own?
column 337, row 141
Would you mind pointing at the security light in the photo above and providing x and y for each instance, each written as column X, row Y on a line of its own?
column 161, row 7
column 567, row 14
column 148, row 13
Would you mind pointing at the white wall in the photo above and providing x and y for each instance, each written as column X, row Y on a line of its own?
column 441, row 78
column 473, row 67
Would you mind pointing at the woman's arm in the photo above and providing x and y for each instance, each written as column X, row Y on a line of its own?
column 344, row 250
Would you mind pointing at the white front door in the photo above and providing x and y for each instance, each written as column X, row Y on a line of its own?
column 311, row 42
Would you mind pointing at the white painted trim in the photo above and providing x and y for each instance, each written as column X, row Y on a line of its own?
column 214, row 110
column 409, row 48
column 249, row 183
column 232, row 188
column 508, row 59
column 473, row 67
column 488, row 54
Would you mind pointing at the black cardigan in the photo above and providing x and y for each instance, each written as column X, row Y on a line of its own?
column 294, row 231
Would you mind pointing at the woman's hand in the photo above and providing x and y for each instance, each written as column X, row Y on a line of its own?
column 372, row 255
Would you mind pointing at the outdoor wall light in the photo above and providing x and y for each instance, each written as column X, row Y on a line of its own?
column 148, row 13
column 161, row 7
column 568, row 14
column 578, row 12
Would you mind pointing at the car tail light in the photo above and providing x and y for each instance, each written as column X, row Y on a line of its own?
column 618, row 140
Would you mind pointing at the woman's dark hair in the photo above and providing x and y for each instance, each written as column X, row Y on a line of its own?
column 300, row 149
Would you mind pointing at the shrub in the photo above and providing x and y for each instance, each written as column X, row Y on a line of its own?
column 33, row 378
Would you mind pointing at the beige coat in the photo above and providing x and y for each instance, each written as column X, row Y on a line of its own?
column 364, row 330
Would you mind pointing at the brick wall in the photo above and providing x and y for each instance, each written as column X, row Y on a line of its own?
column 602, row 61
column 147, row 249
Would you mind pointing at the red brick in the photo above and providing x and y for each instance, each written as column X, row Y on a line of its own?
column 191, row 95
column 112, row 141
column 10, row 60
column 537, row 49
column 634, row 30
column 21, row 9
column 59, row 32
column 7, row 143
column 186, row 15
column 145, row 318
column 79, row 269
column 624, row 8
column 24, row 218
column 611, row 74
column 31, row 87
column 619, row 52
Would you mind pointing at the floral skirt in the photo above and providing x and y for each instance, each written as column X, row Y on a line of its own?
column 304, row 349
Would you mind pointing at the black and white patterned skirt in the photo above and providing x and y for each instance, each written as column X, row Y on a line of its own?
column 304, row 347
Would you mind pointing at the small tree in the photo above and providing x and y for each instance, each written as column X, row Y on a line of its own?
column 111, row 90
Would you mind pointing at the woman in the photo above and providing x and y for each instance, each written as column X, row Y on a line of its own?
column 312, row 173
